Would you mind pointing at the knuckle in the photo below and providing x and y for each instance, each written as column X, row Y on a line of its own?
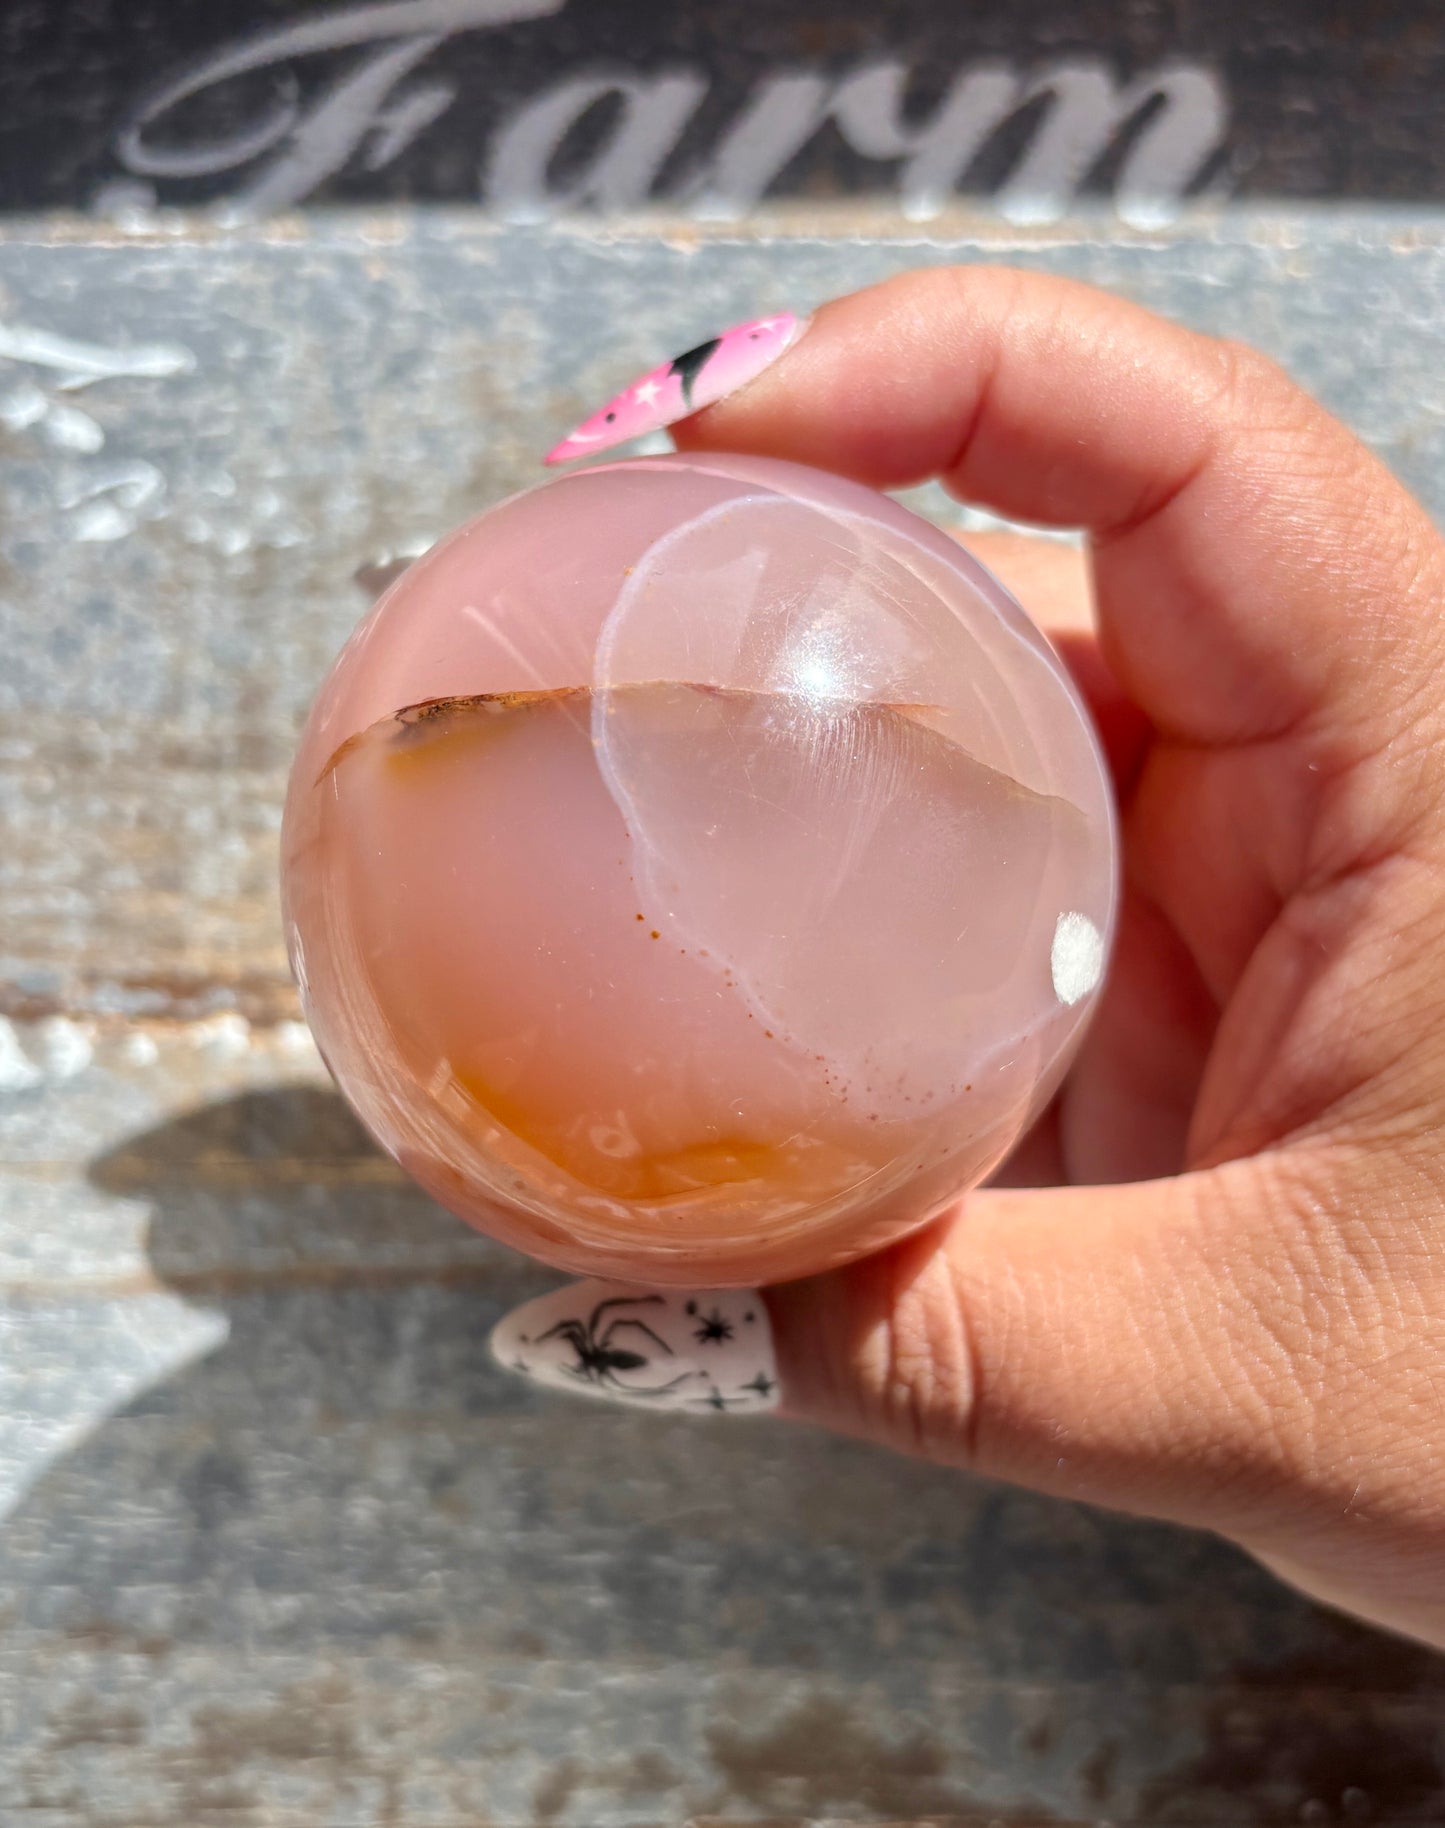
column 1273, row 428
column 1252, row 384
column 926, row 1384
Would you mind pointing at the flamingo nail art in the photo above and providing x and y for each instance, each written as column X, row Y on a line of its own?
column 684, row 385
column 698, row 1350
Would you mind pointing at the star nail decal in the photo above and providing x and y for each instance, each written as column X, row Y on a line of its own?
column 690, row 381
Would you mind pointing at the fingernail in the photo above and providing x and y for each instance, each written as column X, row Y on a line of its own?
column 684, row 385
column 691, row 1349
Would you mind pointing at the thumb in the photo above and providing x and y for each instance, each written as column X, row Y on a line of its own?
column 1147, row 1347
column 1143, row 1346
column 1220, row 1349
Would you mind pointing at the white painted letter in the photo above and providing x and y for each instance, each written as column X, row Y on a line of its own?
column 1089, row 110
column 779, row 119
column 310, row 147
column 655, row 110
column 868, row 107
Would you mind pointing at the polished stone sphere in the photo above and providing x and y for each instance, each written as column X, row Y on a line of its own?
column 698, row 869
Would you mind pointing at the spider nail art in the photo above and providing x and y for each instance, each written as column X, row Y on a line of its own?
column 684, row 385
column 702, row 1350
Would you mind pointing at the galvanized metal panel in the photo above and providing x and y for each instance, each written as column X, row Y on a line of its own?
column 281, row 1546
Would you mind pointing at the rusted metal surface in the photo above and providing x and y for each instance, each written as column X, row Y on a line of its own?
column 281, row 1547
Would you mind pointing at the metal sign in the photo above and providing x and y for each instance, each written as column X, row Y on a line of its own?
column 535, row 106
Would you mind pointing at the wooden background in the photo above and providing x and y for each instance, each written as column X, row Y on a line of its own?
column 279, row 1546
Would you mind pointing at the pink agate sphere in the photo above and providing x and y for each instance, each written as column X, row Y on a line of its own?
column 698, row 869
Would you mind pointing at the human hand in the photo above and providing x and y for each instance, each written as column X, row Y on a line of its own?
column 1219, row 1298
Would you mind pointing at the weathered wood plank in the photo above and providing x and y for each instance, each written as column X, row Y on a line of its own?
column 281, row 1546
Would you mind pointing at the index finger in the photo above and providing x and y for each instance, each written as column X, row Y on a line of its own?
column 1254, row 564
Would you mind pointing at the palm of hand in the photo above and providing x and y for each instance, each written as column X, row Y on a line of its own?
column 1247, row 1012
column 1274, row 1004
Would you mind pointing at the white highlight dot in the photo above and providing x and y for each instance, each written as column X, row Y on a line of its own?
column 18, row 1073
column 139, row 1049
column 65, row 1048
column 294, row 1039
column 224, row 1037
column 1077, row 959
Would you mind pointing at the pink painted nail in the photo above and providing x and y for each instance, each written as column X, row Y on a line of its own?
column 684, row 385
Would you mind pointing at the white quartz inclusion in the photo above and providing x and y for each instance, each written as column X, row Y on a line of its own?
column 883, row 899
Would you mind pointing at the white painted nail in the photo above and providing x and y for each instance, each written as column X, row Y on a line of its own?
column 666, row 1349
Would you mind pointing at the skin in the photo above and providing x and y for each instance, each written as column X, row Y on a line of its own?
column 1214, row 1290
